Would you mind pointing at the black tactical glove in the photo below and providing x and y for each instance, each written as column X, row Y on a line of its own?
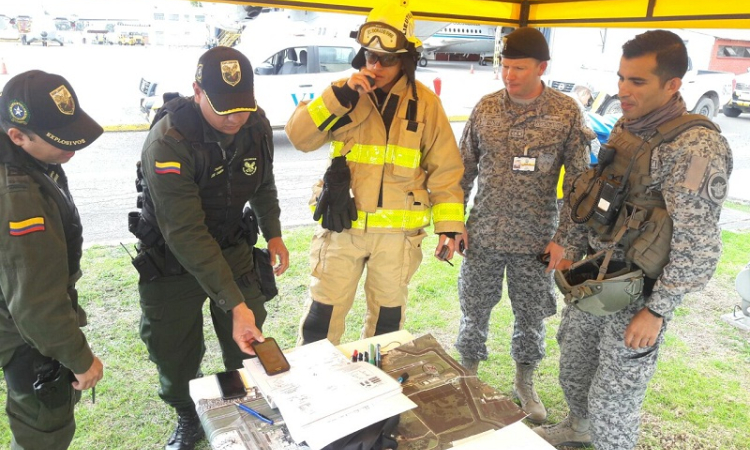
column 335, row 205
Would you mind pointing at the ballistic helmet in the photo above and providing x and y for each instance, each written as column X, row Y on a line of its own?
column 621, row 286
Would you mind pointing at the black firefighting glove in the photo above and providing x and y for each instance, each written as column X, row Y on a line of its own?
column 335, row 205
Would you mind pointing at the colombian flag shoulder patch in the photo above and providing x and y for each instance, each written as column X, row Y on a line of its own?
column 26, row 226
column 162, row 168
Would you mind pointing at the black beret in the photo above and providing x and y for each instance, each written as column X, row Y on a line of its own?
column 525, row 43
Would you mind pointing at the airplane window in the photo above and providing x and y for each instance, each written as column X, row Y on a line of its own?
column 335, row 59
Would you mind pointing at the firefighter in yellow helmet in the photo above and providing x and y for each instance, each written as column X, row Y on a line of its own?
column 395, row 168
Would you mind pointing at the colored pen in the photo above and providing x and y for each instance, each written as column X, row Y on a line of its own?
column 402, row 379
column 354, row 356
column 255, row 413
column 378, row 356
column 372, row 355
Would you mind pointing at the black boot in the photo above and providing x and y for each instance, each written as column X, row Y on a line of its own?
column 188, row 431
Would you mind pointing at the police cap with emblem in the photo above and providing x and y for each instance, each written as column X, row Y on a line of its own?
column 525, row 43
column 46, row 104
column 226, row 77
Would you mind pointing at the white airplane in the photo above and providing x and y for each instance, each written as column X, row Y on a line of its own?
column 442, row 37
column 462, row 38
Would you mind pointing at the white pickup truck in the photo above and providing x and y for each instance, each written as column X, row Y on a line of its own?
column 740, row 101
column 704, row 91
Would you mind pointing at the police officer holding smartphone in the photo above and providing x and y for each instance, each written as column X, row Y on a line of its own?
column 201, row 163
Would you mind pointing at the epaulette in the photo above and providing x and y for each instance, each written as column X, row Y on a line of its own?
column 15, row 176
column 174, row 134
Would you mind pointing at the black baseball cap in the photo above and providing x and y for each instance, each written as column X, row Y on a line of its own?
column 525, row 42
column 226, row 77
column 46, row 104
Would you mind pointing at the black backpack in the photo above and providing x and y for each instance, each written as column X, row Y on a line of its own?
column 378, row 436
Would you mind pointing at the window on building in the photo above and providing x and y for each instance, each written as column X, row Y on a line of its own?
column 734, row 51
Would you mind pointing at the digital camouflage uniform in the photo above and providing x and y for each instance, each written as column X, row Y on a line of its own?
column 515, row 213
column 602, row 379
column 37, row 315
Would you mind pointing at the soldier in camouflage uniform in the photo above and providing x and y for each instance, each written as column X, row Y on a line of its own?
column 607, row 360
column 515, row 143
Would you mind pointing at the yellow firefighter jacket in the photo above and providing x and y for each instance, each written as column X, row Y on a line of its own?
column 400, row 177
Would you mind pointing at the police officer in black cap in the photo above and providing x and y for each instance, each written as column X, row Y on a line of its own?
column 528, row 131
column 44, row 354
column 202, row 161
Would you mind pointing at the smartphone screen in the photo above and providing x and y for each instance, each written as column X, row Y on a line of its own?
column 231, row 385
column 270, row 356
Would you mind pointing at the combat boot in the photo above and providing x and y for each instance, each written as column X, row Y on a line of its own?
column 523, row 390
column 471, row 365
column 188, row 431
column 571, row 432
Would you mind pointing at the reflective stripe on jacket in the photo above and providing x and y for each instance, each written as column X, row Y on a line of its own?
column 401, row 177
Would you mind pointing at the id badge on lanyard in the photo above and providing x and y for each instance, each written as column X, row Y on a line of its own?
column 524, row 163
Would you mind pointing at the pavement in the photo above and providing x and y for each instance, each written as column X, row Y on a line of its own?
column 460, row 85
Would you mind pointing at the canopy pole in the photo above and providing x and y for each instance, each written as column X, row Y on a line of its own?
column 523, row 16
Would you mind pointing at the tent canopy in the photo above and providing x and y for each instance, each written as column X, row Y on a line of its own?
column 551, row 13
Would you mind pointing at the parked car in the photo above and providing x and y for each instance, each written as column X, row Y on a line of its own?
column 740, row 101
column 286, row 73
column 704, row 91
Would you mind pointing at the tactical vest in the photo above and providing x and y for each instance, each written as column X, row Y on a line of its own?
column 58, row 191
column 224, row 178
column 619, row 191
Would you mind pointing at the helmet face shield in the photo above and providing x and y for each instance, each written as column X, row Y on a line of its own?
column 381, row 36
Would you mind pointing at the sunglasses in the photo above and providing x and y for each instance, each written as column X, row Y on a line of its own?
column 386, row 59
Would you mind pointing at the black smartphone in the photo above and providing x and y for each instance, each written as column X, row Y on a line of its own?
column 270, row 356
column 231, row 385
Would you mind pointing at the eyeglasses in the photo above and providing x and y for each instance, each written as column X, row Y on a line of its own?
column 386, row 59
column 389, row 38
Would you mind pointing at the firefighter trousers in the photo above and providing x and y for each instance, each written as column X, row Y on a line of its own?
column 338, row 261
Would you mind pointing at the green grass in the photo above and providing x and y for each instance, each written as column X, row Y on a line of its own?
column 698, row 398
column 744, row 207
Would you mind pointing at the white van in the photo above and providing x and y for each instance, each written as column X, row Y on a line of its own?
column 286, row 72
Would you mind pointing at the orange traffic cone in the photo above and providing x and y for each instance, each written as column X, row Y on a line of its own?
column 472, row 69
column 3, row 69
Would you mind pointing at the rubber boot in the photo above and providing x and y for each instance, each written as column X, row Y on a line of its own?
column 471, row 365
column 571, row 432
column 188, row 431
column 523, row 390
